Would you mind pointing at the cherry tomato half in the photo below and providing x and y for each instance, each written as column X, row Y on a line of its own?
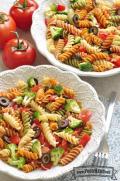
column 84, row 140
column 15, row 139
column 22, row 12
column 103, row 35
column 117, row 62
column 60, row 7
column 85, row 115
column 7, row 25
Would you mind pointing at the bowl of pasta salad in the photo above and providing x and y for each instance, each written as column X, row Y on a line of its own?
column 50, row 122
column 82, row 36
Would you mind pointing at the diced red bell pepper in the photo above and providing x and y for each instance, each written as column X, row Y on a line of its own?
column 82, row 49
column 116, row 61
column 60, row 7
column 84, row 140
column 15, row 139
column 103, row 35
column 85, row 115
column 36, row 88
column 77, row 131
column 64, row 145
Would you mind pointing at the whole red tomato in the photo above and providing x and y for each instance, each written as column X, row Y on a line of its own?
column 7, row 24
column 18, row 52
column 22, row 12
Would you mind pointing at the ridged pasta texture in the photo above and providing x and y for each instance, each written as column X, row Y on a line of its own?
column 35, row 125
column 85, row 28
column 71, row 155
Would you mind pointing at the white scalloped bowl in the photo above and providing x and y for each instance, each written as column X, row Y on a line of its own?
column 84, row 91
column 38, row 31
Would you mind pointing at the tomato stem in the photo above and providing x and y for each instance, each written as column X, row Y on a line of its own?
column 25, row 4
column 3, row 18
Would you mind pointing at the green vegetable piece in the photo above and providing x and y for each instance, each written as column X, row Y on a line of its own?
column 74, row 123
column 56, row 32
column 86, row 66
column 73, row 1
column 70, row 16
column 18, row 99
column 53, row 7
column 32, row 82
column 1, row 117
column 72, row 106
column 36, row 146
column 58, row 89
column 28, row 97
column 68, row 130
column 17, row 163
column 56, row 154
column 77, row 39
column 62, row 12
column 13, row 148
column 89, row 132
column 36, row 115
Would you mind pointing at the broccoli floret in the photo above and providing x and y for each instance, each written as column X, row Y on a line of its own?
column 68, row 130
column 56, row 154
column 36, row 146
column 86, row 66
column 13, row 148
column 58, row 89
column 56, row 32
column 72, row 106
column 53, row 7
column 19, row 163
column 32, row 82
column 74, row 123
column 28, row 97
column 36, row 115
column 18, row 99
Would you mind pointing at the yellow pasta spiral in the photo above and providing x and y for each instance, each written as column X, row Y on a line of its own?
column 1, row 143
column 81, row 13
column 102, row 65
column 27, row 154
column 68, row 54
column 68, row 137
column 108, row 42
column 69, row 92
column 39, row 96
column 100, row 17
column 84, row 24
column 74, row 152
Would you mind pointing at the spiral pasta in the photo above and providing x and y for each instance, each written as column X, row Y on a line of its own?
column 108, row 42
column 97, row 56
column 81, row 13
column 68, row 137
column 115, row 19
column 4, row 153
column 51, row 45
column 115, row 49
column 89, row 48
column 39, row 95
column 102, row 65
column 59, row 47
column 30, row 167
column 68, row 54
column 71, row 155
column 26, row 138
column 48, row 134
column 62, row 17
column 57, row 104
column 69, row 92
column 53, row 117
column 69, row 28
column 84, row 24
column 75, row 62
column 69, row 43
column 36, row 107
column 1, row 143
column 2, row 131
column 26, row 121
column 27, row 154
column 78, row 4
column 100, row 17
column 14, row 123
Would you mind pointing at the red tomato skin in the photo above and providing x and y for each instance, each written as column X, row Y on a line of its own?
column 6, row 29
column 82, row 49
column 13, row 59
column 84, row 140
column 36, row 88
column 103, row 36
column 117, row 62
column 85, row 115
column 60, row 7
column 23, row 17
column 15, row 139
column 64, row 145
column 46, row 166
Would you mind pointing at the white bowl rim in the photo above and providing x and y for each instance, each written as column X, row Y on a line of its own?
column 25, row 176
column 57, row 63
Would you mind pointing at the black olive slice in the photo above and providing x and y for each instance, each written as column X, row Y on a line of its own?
column 6, row 139
column 46, row 158
column 63, row 123
column 93, row 30
column 37, row 131
column 75, row 19
column 4, row 101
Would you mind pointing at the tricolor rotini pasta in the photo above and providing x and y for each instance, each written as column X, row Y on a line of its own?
column 87, row 27
column 43, row 125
